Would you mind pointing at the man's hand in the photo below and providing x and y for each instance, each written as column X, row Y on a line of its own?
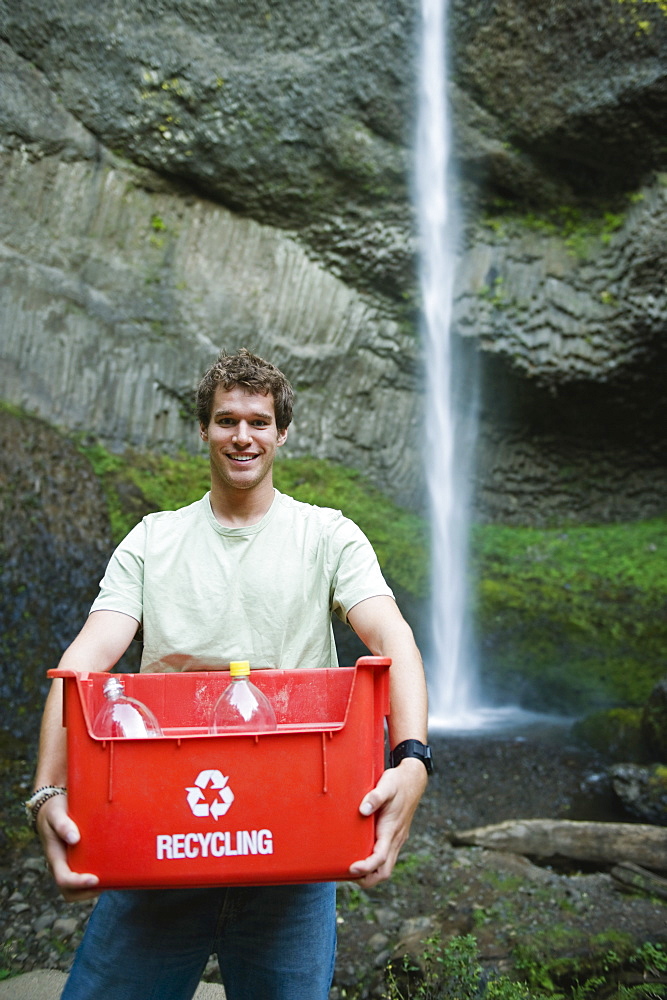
column 98, row 646
column 56, row 831
column 395, row 799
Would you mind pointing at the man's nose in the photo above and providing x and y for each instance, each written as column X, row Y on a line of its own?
column 242, row 436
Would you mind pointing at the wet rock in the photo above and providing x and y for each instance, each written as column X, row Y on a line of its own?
column 654, row 721
column 378, row 941
column 271, row 206
column 45, row 921
column 413, row 935
column 64, row 927
column 386, row 917
column 642, row 790
column 35, row 864
column 54, row 521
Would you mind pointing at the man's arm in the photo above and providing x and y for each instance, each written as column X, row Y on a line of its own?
column 98, row 646
column 380, row 625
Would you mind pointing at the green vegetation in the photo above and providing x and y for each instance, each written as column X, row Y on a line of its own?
column 615, row 732
column 575, row 613
column 14, row 411
column 351, row 899
column 14, row 789
column 580, row 230
column 563, row 964
column 407, row 868
column 562, row 954
column 139, row 482
column 635, row 9
column 494, row 295
column 597, row 966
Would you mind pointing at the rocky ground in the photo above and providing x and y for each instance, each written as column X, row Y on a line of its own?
column 523, row 915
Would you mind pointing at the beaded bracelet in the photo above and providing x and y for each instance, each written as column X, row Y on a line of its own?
column 38, row 798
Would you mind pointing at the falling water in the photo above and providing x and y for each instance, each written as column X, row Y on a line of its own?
column 451, row 413
column 450, row 402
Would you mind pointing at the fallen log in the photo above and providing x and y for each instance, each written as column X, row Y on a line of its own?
column 600, row 843
column 634, row 877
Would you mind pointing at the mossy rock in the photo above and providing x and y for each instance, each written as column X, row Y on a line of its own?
column 654, row 721
column 571, row 618
column 563, row 956
column 642, row 790
column 616, row 733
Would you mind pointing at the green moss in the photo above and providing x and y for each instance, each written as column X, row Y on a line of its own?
column 608, row 298
column 576, row 614
column 354, row 150
column 15, row 411
column 615, row 732
column 581, row 230
column 561, row 957
column 494, row 295
column 503, row 883
column 636, row 8
column 15, row 775
column 139, row 482
column 407, row 868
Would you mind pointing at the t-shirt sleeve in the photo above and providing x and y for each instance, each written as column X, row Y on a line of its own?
column 122, row 586
column 356, row 571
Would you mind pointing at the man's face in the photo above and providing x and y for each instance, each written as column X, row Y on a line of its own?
column 242, row 438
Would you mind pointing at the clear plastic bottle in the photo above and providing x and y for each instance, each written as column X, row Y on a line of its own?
column 123, row 716
column 242, row 706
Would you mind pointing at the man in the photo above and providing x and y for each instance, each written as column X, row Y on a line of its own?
column 244, row 573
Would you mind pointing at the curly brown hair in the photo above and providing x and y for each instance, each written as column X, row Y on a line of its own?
column 251, row 373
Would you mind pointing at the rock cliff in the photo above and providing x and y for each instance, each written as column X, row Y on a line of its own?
column 177, row 177
column 50, row 561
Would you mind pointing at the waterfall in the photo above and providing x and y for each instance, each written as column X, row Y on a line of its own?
column 450, row 413
column 450, row 398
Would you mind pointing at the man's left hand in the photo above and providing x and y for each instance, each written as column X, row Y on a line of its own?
column 394, row 799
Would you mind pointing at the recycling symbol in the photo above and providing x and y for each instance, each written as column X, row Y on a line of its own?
column 198, row 801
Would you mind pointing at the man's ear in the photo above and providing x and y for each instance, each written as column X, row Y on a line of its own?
column 203, row 432
column 282, row 437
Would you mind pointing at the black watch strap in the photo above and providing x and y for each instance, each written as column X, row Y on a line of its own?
column 412, row 748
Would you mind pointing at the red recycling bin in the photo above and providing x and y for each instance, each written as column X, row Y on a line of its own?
column 192, row 809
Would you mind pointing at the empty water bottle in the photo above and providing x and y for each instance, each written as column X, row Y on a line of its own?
column 123, row 716
column 242, row 706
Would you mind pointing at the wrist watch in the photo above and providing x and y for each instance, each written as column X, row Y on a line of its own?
column 412, row 748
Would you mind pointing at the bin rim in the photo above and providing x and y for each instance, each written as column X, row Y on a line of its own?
column 373, row 663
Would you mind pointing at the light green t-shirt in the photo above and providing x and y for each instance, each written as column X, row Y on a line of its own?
column 263, row 593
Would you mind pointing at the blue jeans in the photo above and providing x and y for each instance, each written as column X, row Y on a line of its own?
column 272, row 943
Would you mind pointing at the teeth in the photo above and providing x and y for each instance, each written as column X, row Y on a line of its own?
column 242, row 458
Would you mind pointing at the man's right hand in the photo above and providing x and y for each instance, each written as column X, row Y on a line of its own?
column 98, row 646
column 56, row 830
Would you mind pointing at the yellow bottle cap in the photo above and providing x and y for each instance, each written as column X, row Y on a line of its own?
column 239, row 668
